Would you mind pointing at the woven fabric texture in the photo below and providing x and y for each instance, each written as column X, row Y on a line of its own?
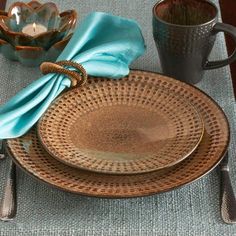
column 191, row 210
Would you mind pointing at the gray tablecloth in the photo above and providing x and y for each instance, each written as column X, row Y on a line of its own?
column 191, row 210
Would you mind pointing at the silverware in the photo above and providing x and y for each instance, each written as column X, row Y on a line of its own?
column 8, row 203
column 227, row 199
column 2, row 155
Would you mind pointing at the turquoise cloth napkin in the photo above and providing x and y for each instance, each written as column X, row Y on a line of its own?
column 104, row 44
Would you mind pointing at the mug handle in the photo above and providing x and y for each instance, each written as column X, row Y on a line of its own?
column 230, row 30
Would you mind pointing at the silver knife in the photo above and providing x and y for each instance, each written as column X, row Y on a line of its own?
column 227, row 198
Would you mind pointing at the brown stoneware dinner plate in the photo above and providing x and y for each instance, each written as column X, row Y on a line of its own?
column 30, row 155
column 121, row 127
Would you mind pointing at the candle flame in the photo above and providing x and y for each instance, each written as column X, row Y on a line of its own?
column 34, row 26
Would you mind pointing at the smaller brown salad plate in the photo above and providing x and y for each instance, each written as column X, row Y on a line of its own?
column 120, row 127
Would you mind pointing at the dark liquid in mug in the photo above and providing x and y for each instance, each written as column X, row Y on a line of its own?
column 185, row 12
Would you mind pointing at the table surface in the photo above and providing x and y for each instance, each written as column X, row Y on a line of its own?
column 191, row 210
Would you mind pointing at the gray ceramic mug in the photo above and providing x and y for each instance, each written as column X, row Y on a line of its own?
column 184, row 32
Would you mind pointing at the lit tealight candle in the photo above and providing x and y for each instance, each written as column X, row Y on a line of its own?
column 34, row 29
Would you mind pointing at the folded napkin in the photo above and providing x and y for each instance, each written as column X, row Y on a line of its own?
column 104, row 44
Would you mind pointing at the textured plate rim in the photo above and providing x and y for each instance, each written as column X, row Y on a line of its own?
column 34, row 176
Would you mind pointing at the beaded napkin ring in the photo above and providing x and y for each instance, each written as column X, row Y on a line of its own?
column 77, row 77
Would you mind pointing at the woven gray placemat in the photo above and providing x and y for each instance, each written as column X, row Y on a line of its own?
column 191, row 210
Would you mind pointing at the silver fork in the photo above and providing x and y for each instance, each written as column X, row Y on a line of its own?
column 1, row 151
column 8, row 203
column 227, row 199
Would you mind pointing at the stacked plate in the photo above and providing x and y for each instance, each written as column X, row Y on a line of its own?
column 141, row 135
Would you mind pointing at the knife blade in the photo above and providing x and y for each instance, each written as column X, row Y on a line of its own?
column 227, row 197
